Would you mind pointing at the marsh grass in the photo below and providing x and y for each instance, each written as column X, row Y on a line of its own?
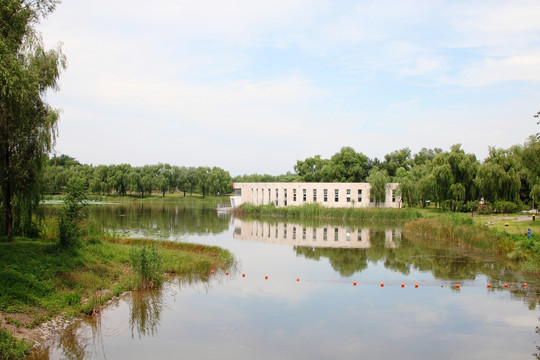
column 461, row 231
column 318, row 211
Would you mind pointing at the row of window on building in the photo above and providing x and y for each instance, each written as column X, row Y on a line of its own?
column 315, row 195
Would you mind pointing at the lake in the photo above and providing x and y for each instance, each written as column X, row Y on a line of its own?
column 308, row 290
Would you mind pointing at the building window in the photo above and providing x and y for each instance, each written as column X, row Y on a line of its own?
column 294, row 233
column 285, row 196
column 359, row 235
column 269, row 195
column 314, row 234
column 393, row 196
column 314, row 195
column 348, row 235
column 325, row 195
column 325, row 234
column 294, row 195
column 336, row 195
column 276, row 234
column 336, row 234
column 304, row 195
column 348, row 195
column 304, row 234
column 277, row 197
column 359, row 195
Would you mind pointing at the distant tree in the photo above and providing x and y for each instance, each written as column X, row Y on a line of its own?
column 425, row 156
column 310, row 170
column 397, row 159
column 346, row 166
column 203, row 179
column 63, row 160
column 378, row 179
column 220, row 181
column 27, row 123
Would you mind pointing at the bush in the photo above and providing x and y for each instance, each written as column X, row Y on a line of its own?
column 146, row 262
column 72, row 213
column 11, row 347
column 505, row 207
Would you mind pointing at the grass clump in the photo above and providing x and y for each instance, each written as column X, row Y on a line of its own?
column 146, row 262
column 12, row 348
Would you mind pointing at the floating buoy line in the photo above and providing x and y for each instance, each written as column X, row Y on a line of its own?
column 456, row 286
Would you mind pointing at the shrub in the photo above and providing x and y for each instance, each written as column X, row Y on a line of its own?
column 505, row 207
column 72, row 213
column 146, row 262
column 11, row 347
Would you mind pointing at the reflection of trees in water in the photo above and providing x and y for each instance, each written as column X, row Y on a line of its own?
column 345, row 261
column 444, row 264
column 74, row 345
column 145, row 312
column 163, row 219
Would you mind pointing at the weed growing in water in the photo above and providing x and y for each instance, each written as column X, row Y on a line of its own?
column 146, row 262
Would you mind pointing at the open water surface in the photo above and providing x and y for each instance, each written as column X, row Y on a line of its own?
column 309, row 306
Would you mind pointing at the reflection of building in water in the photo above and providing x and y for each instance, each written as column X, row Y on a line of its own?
column 324, row 194
column 300, row 235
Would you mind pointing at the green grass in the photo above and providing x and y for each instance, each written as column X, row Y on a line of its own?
column 41, row 280
column 508, row 239
column 318, row 211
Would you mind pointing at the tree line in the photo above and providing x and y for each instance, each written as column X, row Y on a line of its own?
column 506, row 180
column 125, row 179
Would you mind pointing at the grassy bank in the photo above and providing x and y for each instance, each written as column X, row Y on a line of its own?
column 40, row 281
column 318, row 211
column 505, row 236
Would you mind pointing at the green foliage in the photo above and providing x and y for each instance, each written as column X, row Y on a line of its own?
column 146, row 262
column 72, row 213
column 27, row 122
column 378, row 179
column 316, row 210
column 505, row 207
column 12, row 348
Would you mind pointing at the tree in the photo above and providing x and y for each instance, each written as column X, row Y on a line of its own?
column 397, row 159
column 203, row 177
column 72, row 213
column 378, row 180
column 28, row 125
column 346, row 166
column 310, row 170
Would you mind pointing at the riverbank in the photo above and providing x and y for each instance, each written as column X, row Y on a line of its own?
column 43, row 287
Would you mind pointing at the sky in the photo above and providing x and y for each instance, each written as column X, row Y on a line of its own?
column 254, row 86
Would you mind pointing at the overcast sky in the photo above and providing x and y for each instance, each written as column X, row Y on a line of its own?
column 253, row 86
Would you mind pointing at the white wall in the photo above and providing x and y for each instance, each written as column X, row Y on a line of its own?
column 284, row 194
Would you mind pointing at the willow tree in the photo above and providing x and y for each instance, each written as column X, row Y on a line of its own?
column 378, row 179
column 27, row 123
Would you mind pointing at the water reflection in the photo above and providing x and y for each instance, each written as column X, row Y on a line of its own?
column 88, row 338
column 320, row 316
column 328, row 236
column 158, row 220
column 145, row 312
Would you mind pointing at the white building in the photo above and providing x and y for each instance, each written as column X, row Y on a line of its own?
column 325, row 194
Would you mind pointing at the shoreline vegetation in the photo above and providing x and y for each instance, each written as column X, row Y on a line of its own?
column 496, row 234
column 44, row 287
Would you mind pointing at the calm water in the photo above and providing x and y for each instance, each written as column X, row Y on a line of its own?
column 321, row 316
